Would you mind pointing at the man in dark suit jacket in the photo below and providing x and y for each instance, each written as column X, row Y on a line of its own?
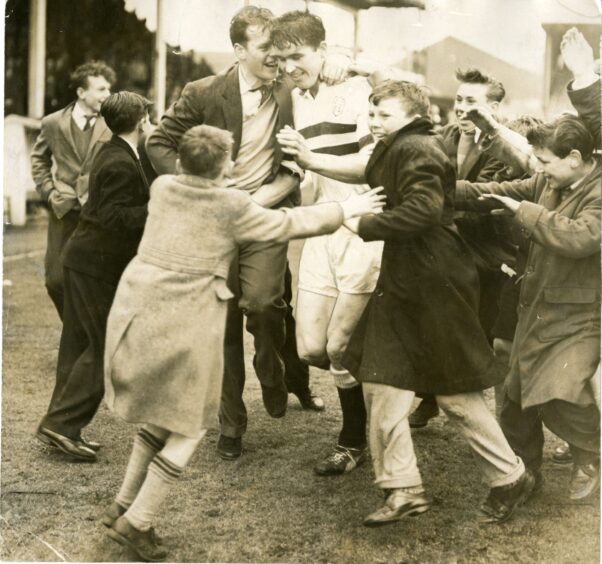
column 70, row 138
column 104, row 242
column 247, row 101
column 488, row 237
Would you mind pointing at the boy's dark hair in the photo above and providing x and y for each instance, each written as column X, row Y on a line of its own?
column 79, row 77
column 298, row 28
column 563, row 135
column 246, row 17
column 123, row 110
column 412, row 97
column 523, row 124
column 203, row 150
column 495, row 90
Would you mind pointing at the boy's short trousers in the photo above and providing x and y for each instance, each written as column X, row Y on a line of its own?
column 339, row 263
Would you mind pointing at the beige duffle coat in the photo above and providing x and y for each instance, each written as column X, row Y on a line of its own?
column 164, row 345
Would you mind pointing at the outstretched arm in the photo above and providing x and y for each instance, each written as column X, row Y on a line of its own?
column 345, row 168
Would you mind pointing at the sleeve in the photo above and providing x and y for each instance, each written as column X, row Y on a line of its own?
column 41, row 164
column 490, row 169
column 510, row 148
column 421, row 195
column 116, row 209
column 467, row 193
column 256, row 223
column 587, row 103
column 577, row 237
column 162, row 143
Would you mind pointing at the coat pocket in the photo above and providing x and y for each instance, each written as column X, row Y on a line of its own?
column 567, row 311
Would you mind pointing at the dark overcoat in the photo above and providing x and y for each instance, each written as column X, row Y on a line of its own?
column 420, row 330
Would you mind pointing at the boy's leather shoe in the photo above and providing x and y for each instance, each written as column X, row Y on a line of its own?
column 503, row 500
column 143, row 543
column 229, row 448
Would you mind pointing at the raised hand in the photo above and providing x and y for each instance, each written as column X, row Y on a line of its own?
column 577, row 54
column 370, row 202
column 510, row 204
column 482, row 117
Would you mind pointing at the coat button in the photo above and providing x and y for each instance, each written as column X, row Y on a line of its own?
column 378, row 292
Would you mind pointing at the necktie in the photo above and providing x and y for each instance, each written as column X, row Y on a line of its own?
column 89, row 119
column 466, row 145
column 266, row 92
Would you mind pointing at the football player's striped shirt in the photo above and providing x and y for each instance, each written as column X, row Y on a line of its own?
column 335, row 122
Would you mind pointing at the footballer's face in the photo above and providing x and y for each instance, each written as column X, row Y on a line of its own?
column 302, row 63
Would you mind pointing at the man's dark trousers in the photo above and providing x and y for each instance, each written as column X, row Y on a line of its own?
column 59, row 231
column 257, row 281
column 79, row 387
column 577, row 425
column 281, row 346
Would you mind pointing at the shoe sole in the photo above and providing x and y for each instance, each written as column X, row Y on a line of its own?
column 409, row 512
column 228, row 456
column 49, row 441
column 123, row 541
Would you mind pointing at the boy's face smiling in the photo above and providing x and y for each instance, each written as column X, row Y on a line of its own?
column 302, row 63
column 387, row 116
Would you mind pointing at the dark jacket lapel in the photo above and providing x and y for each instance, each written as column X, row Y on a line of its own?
column 65, row 127
column 232, row 107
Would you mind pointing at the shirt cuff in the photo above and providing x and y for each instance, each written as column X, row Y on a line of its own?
column 293, row 168
column 527, row 215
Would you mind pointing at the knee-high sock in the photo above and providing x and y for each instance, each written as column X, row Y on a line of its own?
column 161, row 475
column 353, row 433
column 146, row 446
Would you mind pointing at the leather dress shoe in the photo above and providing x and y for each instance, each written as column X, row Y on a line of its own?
column 400, row 503
column 310, row 401
column 502, row 501
column 143, row 543
column 92, row 445
column 75, row 449
column 229, row 448
column 585, row 481
column 275, row 400
column 425, row 411
column 114, row 511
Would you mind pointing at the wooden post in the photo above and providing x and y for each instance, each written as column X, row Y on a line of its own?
column 356, row 34
column 160, row 63
column 36, row 84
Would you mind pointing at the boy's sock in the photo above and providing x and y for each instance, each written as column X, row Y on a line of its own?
column 146, row 446
column 161, row 475
column 353, row 433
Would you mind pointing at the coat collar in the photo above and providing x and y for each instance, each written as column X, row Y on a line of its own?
column 592, row 179
column 119, row 142
column 420, row 126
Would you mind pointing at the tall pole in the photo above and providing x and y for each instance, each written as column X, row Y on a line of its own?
column 36, row 84
column 160, row 70
column 356, row 34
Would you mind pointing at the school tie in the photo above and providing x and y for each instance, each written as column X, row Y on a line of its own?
column 89, row 119
column 266, row 92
